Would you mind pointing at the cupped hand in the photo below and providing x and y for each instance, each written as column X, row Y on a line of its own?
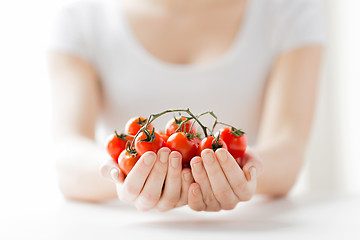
column 157, row 181
column 220, row 182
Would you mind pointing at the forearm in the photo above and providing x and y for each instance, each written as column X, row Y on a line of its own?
column 77, row 164
column 289, row 106
column 282, row 161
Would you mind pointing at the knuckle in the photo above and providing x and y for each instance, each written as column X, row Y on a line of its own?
column 171, row 201
column 127, row 193
column 167, row 203
column 240, row 188
column 224, row 195
column 130, row 190
column 183, row 200
column 209, row 198
column 148, row 198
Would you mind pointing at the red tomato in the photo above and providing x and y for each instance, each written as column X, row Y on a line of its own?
column 186, row 165
column 116, row 144
column 235, row 140
column 197, row 140
column 164, row 136
column 151, row 142
column 134, row 124
column 174, row 124
column 127, row 161
column 211, row 143
column 181, row 143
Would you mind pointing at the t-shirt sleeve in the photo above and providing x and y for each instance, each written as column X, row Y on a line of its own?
column 302, row 23
column 71, row 32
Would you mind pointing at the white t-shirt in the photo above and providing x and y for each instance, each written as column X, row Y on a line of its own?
column 134, row 82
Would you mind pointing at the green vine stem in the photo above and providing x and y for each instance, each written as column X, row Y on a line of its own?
column 235, row 131
column 153, row 117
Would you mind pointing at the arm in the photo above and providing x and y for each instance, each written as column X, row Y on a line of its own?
column 272, row 166
column 286, row 122
column 76, row 94
column 76, row 103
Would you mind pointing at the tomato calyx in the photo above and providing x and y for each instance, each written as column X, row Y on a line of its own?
column 237, row 132
column 150, row 137
column 141, row 122
column 130, row 150
column 189, row 134
column 180, row 122
column 122, row 136
column 216, row 144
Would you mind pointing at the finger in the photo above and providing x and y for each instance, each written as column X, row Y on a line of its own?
column 252, row 159
column 233, row 173
column 252, row 183
column 201, row 178
column 195, row 199
column 219, row 184
column 151, row 192
column 110, row 170
column 187, row 180
column 172, row 190
column 136, row 178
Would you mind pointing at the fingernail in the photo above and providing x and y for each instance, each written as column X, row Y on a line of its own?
column 253, row 173
column 198, row 167
column 187, row 176
column 114, row 174
column 222, row 156
column 149, row 159
column 196, row 191
column 164, row 157
column 175, row 162
column 208, row 157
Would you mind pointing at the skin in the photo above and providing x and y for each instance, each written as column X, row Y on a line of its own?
column 216, row 182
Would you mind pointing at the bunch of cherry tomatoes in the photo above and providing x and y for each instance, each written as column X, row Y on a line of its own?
column 180, row 135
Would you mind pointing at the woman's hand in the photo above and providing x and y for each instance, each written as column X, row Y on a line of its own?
column 220, row 183
column 156, row 181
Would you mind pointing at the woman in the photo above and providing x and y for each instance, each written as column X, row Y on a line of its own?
column 253, row 62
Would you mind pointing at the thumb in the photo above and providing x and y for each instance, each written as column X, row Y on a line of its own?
column 250, row 160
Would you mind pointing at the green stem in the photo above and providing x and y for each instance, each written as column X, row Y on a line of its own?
column 225, row 124
column 153, row 117
column 234, row 130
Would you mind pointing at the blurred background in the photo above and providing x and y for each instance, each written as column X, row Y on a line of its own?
column 27, row 168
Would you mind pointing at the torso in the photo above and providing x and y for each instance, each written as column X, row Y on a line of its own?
column 150, row 58
column 189, row 35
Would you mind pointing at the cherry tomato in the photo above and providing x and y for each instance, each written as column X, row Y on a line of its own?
column 134, row 124
column 211, row 143
column 164, row 136
column 197, row 140
column 127, row 161
column 235, row 140
column 148, row 142
column 181, row 143
column 174, row 124
column 116, row 144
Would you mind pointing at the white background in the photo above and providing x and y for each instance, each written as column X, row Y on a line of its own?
column 27, row 169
